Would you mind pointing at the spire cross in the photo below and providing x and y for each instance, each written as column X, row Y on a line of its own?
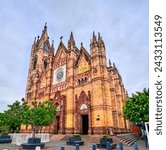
column 61, row 38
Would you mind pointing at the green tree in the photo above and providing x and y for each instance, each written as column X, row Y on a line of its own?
column 12, row 117
column 38, row 116
column 136, row 108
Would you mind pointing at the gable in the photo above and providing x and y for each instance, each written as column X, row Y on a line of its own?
column 60, row 56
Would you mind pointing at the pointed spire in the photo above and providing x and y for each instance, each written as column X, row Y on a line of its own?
column 99, row 36
column 52, row 44
column 35, row 40
column 114, row 65
column 38, row 38
column 71, row 40
column 94, row 37
column 45, row 27
column 109, row 63
column 52, row 48
column 126, row 93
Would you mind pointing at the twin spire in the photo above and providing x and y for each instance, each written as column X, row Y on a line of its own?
column 71, row 41
column 98, row 41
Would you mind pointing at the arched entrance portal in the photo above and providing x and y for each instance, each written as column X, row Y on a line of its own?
column 85, row 124
column 83, row 114
column 59, row 101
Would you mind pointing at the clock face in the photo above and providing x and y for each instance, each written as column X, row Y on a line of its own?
column 59, row 74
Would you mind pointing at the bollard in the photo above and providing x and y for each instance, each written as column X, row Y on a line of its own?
column 108, row 146
column 120, row 146
column 37, row 148
column 135, row 146
column 93, row 147
column 62, row 148
column 77, row 147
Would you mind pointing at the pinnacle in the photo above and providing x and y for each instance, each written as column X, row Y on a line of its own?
column 71, row 39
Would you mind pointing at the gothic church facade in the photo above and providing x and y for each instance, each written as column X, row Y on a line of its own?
column 89, row 95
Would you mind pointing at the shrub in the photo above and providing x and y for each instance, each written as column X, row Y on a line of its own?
column 105, row 137
column 4, row 129
column 76, row 135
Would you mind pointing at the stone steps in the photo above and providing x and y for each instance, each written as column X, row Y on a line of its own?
column 128, row 139
column 57, row 137
column 91, row 138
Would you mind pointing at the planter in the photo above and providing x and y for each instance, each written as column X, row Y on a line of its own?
column 75, row 140
column 5, row 139
column 104, row 141
column 33, row 143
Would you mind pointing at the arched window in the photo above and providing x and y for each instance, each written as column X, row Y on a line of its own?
column 79, row 82
column 86, row 79
column 83, row 106
column 46, row 47
column 34, row 63
column 37, row 46
column 57, row 106
column 45, row 63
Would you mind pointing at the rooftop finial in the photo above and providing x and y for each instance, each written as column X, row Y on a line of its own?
column 81, row 44
column 98, row 35
column 61, row 38
column 71, row 40
column 52, row 43
column 114, row 65
column 94, row 36
column 45, row 25
column 109, row 63
column 35, row 40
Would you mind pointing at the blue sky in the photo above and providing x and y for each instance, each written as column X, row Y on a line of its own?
column 123, row 24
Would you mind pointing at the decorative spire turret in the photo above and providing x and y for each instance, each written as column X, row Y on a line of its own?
column 94, row 37
column 44, row 36
column 71, row 42
column 38, row 38
column 45, row 27
column 114, row 65
column 100, row 41
column 35, row 40
column 99, row 36
column 52, row 48
column 109, row 63
column 52, row 45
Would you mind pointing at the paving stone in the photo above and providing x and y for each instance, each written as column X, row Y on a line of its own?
column 56, row 145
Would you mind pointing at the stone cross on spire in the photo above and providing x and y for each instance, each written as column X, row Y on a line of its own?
column 61, row 38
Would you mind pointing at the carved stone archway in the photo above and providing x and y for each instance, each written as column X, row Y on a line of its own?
column 83, row 107
column 60, row 101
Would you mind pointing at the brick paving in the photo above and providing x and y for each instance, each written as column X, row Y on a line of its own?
column 56, row 145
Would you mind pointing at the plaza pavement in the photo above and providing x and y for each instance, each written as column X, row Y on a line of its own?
column 56, row 145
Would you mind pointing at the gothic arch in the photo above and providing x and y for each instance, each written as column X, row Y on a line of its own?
column 60, row 101
column 82, row 103
column 83, row 99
